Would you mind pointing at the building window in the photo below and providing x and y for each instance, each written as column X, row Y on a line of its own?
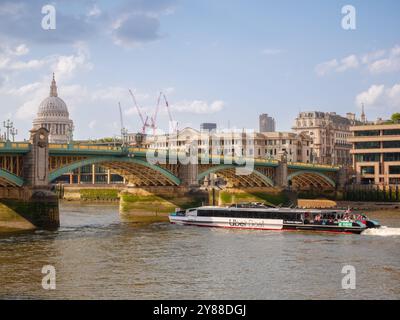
column 366, row 133
column 393, row 132
column 367, row 170
column 391, row 144
column 391, row 156
column 372, row 157
column 367, row 145
column 394, row 169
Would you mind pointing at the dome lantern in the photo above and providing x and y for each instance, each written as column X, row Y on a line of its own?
column 53, row 88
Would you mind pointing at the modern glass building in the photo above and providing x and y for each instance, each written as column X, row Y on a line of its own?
column 376, row 153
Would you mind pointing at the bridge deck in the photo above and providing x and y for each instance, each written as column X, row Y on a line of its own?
column 94, row 150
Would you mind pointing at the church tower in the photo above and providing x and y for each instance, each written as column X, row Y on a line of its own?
column 363, row 117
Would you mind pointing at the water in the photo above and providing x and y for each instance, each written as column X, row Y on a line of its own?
column 96, row 255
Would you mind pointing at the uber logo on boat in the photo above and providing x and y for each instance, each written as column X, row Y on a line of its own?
column 349, row 280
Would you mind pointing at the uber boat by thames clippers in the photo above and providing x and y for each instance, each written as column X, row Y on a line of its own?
column 261, row 217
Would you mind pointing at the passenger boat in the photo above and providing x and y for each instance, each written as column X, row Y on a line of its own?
column 261, row 217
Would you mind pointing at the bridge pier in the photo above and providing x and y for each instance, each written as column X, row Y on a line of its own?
column 188, row 174
column 37, row 203
column 281, row 173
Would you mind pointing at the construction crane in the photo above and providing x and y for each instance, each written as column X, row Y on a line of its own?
column 151, row 122
column 145, row 123
column 124, row 131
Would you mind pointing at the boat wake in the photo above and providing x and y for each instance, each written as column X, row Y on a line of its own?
column 382, row 231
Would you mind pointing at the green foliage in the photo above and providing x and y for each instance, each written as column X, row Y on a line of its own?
column 225, row 197
column 396, row 117
column 99, row 194
column 159, row 203
column 269, row 198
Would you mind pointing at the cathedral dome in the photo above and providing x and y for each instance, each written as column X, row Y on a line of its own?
column 54, row 116
column 53, row 107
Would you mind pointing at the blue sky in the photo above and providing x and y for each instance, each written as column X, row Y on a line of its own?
column 224, row 61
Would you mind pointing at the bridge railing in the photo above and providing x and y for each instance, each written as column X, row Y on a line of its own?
column 25, row 146
column 18, row 146
column 313, row 165
column 80, row 147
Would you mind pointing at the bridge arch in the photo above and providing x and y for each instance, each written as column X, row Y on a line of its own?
column 310, row 178
column 256, row 177
column 8, row 178
column 131, row 168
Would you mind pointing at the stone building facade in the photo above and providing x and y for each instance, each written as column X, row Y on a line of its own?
column 329, row 133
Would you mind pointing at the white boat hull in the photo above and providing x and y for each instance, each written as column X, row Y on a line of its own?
column 234, row 223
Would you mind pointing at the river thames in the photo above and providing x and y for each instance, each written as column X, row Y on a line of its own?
column 98, row 256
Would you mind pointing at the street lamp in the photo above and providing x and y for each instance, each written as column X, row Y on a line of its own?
column 70, row 133
column 13, row 133
column 9, row 126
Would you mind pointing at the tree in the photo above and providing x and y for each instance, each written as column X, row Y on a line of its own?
column 396, row 117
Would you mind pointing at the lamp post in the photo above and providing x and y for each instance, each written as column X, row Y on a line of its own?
column 10, row 130
column 70, row 133
column 13, row 133
column 124, row 137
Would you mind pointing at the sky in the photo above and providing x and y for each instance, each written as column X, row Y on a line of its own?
column 224, row 61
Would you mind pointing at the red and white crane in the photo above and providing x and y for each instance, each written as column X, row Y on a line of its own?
column 152, row 121
column 145, row 123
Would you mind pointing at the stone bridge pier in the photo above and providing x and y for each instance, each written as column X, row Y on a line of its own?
column 35, row 201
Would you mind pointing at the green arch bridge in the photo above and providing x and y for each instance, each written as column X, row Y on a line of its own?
column 137, row 168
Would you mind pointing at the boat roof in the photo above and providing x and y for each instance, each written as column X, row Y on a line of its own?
column 282, row 209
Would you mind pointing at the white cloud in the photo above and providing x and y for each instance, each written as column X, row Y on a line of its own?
column 8, row 56
column 27, row 65
column 65, row 66
column 198, row 107
column 389, row 64
column 350, row 62
column 21, row 50
column 21, row 91
column 29, row 96
column 381, row 61
column 379, row 96
column 372, row 56
column 326, row 67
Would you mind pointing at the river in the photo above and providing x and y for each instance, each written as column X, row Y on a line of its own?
column 98, row 256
